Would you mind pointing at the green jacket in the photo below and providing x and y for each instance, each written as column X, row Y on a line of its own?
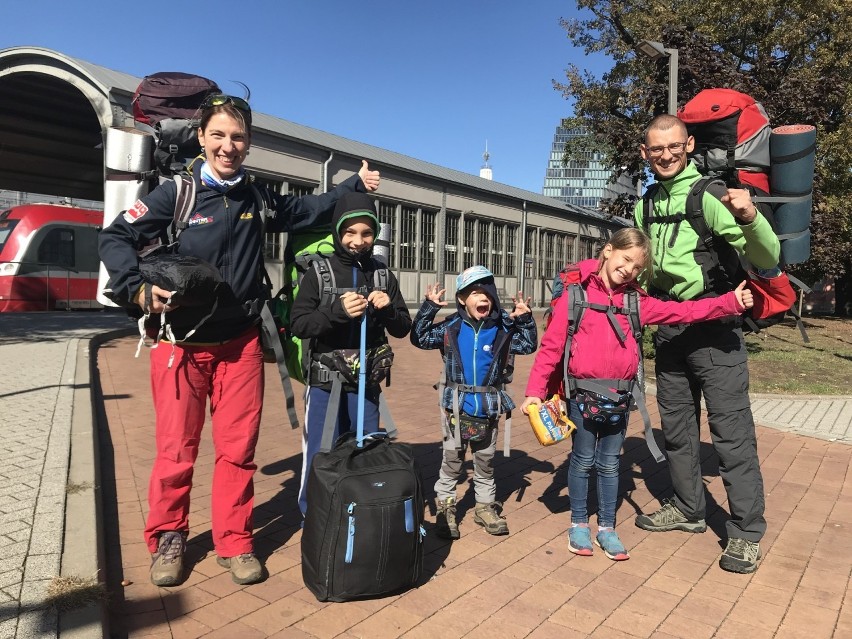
column 675, row 269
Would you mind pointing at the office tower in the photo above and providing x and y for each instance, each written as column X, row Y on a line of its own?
column 581, row 182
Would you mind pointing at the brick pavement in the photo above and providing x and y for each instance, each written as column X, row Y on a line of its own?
column 38, row 366
column 523, row 585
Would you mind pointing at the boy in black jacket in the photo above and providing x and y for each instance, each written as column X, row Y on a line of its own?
column 332, row 323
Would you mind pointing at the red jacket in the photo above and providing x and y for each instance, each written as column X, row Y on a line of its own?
column 596, row 352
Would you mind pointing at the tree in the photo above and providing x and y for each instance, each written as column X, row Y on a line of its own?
column 794, row 57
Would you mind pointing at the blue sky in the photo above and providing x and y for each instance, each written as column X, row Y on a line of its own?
column 432, row 79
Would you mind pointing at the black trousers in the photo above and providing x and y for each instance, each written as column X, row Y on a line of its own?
column 710, row 358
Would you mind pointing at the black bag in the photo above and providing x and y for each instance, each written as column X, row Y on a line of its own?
column 363, row 529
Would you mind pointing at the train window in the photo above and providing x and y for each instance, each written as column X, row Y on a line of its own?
column 57, row 248
column 6, row 227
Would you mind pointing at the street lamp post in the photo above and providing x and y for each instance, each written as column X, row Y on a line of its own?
column 656, row 51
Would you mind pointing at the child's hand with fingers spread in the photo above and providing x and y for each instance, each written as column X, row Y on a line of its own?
column 744, row 296
column 521, row 305
column 434, row 293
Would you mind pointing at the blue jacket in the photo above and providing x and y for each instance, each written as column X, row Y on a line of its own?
column 475, row 355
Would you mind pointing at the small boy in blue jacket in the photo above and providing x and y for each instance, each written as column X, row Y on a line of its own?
column 476, row 343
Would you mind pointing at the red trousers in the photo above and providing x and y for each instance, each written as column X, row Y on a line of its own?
column 231, row 375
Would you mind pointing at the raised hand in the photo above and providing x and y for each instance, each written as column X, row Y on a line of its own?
column 740, row 205
column 521, row 305
column 744, row 295
column 435, row 293
column 368, row 177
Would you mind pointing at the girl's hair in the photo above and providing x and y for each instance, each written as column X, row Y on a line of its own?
column 628, row 238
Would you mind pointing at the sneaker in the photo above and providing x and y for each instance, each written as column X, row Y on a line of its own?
column 167, row 562
column 740, row 555
column 669, row 517
column 245, row 568
column 609, row 542
column 488, row 515
column 580, row 540
column 445, row 520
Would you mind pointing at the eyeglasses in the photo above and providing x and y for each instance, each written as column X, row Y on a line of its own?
column 675, row 148
column 219, row 99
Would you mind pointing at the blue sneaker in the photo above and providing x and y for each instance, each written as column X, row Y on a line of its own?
column 609, row 542
column 580, row 540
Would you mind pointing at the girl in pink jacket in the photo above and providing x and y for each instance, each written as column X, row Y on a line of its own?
column 599, row 350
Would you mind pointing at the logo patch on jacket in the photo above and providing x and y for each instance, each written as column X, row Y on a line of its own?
column 135, row 212
column 247, row 216
column 198, row 219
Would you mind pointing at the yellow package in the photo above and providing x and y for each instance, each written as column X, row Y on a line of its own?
column 550, row 422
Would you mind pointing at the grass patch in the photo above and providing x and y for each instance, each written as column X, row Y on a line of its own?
column 69, row 593
column 780, row 362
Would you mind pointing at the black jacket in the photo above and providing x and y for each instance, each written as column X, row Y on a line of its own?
column 225, row 230
column 326, row 322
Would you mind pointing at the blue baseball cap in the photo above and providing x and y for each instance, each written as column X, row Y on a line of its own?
column 471, row 276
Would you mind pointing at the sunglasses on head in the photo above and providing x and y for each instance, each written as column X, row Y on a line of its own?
column 219, row 99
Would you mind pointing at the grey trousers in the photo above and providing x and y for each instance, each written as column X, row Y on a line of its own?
column 710, row 358
column 484, row 487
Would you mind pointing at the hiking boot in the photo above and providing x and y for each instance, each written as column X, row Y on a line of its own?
column 488, row 515
column 669, row 517
column 445, row 519
column 580, row 540
column 740, row 555
column 167, row 562
column 609, row 542
column 245, row 568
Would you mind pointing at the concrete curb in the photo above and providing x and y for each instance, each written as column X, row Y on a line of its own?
column 83, row 552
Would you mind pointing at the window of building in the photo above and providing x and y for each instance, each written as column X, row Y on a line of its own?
column 386, row 215
column 451, row 243
column 511, row 233
column 531, row 251
column 427, row 241
column 497, row 231
column 408, row 239
column 469, row 237
column 548, row 263
column 482, row 242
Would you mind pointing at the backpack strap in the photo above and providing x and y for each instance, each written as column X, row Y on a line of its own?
column 576, row 308
column 184, row 203
column 631, row 301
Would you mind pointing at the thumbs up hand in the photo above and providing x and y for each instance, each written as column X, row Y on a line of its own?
column 744, row 296
column 368, row 177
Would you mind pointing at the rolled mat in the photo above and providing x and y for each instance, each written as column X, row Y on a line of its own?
column 792, row 149
column 797, row 249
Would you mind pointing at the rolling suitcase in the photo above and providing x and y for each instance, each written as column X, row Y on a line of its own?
column 363, row 531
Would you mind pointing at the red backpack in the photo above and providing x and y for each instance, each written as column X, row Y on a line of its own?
column 731, row 131
column 168, row 105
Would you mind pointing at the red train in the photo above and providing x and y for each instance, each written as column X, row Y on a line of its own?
column 49, row 258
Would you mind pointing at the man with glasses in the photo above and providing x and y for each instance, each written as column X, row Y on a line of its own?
column 708, row 358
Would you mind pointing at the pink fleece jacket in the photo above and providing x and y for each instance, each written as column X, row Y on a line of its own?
column 596, row 352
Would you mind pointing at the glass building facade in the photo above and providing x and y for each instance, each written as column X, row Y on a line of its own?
column 583, row 182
